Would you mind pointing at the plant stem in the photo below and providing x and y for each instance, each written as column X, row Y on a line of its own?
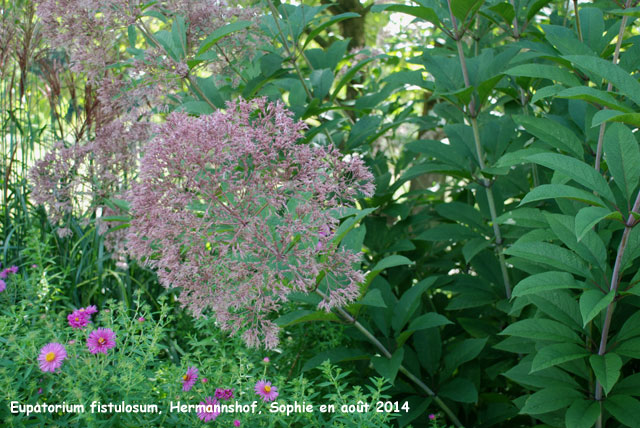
column 578, row 27
column 615, row 281
column 480, row 153
column 616, row 55
column 374, row 340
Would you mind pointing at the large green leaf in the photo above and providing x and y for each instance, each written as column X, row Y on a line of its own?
column 555, row 354
column 607, row 369
column 221, row 32
column 624, row 408
column 582, row 414
column 623, row 157
column 613, row 73
column 576, row 170
column 554, row 191
column 552, row 132
column 459, row 389
column 592, row 302
column 388, row 367
column 588, row 217
column 551, row 255
column 593, row 95
column 541, row 329
column 548, row 400
column 545, row 281
column 542, row 71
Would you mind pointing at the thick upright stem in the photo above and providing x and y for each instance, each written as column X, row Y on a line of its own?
column 616, row 55
column 374, row 340
column 615, row 281
column 480, row 153
column 578, row 26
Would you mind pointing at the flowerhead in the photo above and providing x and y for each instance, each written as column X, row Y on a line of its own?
column 236, row 423
column 101, row 340
column 205, row 415
column 51, row 357
column 13, row 269
column 224, row 394
column 189, row 379
column 266, row 391
column 3, row 285
column 90, row 310
column 266, row 359
column 141, row 319
column 78, row 318
column 432, row 416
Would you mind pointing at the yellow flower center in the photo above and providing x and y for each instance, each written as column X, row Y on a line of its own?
column 185, row 377
column 267, row 388
column 77, row 319
column 101, row 340
column 50, row 357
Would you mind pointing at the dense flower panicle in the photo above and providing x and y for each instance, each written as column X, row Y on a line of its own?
column 204, row 414
column 51, row 357
column 189, row 378
column 229, row 208
column 266, row 391
column 101, row 340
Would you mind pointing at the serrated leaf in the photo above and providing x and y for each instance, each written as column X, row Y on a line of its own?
column 555, row 354
column 541, row 329
column 428, row 320
column 561, row 191
column 607, row 369
column 550, row 254
column 373, row 298
column 460, row 390
column 463, row 351
column 576, row 170
column 409, row 302
column 610, row 72
column 542, row 71
column 551, row 132
column 592, row 302
column 473, row 247
column 624, row 409
column 542, row 282
column 388, row 367
column 582, row 414
column 593, row 95
column 588, row 217
column 548, row 400
column 623, row 157
column 221, row 32
column 629, row 348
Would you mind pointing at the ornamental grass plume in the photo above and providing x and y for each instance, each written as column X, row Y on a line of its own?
column 51, row 357
column 229, row 207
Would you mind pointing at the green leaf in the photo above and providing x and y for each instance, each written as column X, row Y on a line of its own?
column 555, row 191
column 388, row 367
column 335, row 355
column 542, row 71
column 548, row 400
column 321, row 81
column 421, row 12
column 551, row 132
column 623, row 157
column 391, row 261
column 320, row 28
column 373, row 298
column 593, row 95
column 607, row 369
column 582, row 414
column 428, row 320
column 629, row 348
column 603, row 116
column 462, row 9
column 613, row 73
column 463, row 351
column 592, row 302
column 473, row 247
column 221, row 32
column 542, row 282
column 576, row 170
column 299, row 316
column 541, row 329
column 409, row 302
column 460, row 390
column 550, row 254
column 624, row 409
column 555, row 354
column 179, row 35
column 197, row 108
column 588, row 217
column 131, row 33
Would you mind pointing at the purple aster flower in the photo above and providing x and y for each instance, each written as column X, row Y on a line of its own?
column 78, row 319
column 51, row 357
column 189, row 379
column 224, row 394
column 208, row 412
column 266, row 391
column 13, row 269
column 90, row 310
column 236, row 423
column 101, row 340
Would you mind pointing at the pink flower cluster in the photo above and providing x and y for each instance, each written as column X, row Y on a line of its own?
column 4, row 274
column 53, row 354
column 81, row 317
column 229, row 207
